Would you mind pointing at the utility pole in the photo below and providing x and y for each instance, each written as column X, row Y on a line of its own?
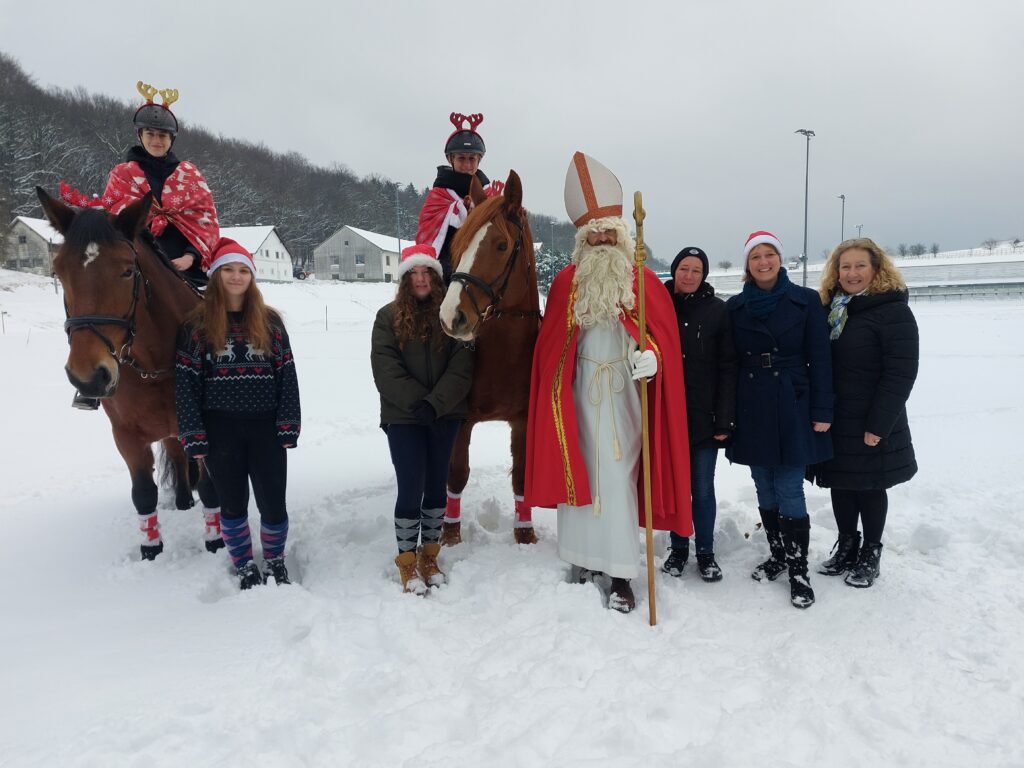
column 807, row 175
column 842, row 220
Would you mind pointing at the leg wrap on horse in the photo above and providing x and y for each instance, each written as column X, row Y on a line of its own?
column 149, row 525
column 211, row 516
column 238, row 539
column 453, row 509
column 273, row 539
column 524, row 514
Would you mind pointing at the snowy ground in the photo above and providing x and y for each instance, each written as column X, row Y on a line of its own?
column 109, row 661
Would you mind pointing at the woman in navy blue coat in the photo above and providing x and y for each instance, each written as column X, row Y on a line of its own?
column 783, row 403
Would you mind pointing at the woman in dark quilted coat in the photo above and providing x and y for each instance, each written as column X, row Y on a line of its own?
column 874, row 364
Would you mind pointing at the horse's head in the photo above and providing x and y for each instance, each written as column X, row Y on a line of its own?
column 491, row 254
column 98, row 267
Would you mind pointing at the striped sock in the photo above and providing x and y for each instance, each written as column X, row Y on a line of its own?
column 238, row 539
column 430, row 525
column 273, row 538
column 407, row 529
column 453, row 510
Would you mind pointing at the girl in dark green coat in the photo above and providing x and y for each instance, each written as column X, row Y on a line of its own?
column 423, row 378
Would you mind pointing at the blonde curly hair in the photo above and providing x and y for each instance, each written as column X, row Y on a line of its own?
column 887, row 276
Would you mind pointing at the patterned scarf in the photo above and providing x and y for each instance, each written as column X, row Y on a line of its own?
column 837, row 314
column 762, row 303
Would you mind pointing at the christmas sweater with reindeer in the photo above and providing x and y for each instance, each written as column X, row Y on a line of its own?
column 234, row 377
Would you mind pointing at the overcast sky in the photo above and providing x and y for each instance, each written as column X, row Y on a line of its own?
column 917, row 106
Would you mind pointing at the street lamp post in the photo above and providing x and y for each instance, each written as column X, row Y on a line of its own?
column 842, row 220
column 859, row 227
column 807, row 176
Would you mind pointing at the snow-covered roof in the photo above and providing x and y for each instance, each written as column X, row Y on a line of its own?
column 42, row 228
column 385, row 243
column 250, row 238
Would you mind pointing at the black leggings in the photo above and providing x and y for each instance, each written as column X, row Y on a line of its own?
column 870, row 506
column 244, row 449
column 421, row 456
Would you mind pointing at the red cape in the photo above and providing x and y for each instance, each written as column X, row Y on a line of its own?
column 187, row 203
column 555, row 470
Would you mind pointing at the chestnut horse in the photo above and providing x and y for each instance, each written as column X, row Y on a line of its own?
column 492, row 302
column 124, row 306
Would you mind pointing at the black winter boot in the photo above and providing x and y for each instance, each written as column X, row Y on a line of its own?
column 775, row 565
column 149, row 552
column 275, row 569
column 707, row 567
column 676, row 560
column 844, row 555
column 866, row 570
column 249, row 576
column 796, row 533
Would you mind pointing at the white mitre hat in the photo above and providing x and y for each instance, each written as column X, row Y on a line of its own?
column 591, row 191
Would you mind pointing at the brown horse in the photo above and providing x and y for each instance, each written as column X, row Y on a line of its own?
column 493, row 303
column 124, row 306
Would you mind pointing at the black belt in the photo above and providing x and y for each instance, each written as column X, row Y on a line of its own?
column 770, row 360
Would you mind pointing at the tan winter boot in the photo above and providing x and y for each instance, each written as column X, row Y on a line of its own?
column 451, row 534
column 411, row 581
column 426, row 562
column 525, row 535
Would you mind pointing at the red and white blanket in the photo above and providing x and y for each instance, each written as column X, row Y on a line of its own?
column 186, row 203
column 442, row 209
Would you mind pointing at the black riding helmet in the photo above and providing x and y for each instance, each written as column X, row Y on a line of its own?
column 465, row 140
column 156, row 116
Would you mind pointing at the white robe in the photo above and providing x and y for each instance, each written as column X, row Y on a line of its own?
column 604, row 536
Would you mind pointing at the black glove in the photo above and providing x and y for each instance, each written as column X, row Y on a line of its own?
column 424, row 413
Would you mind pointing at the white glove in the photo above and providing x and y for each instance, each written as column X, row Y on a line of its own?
column 645, row 364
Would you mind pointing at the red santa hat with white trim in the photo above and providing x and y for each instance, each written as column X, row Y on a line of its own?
column 419, row 255
column 227, row 251
column 761, row 237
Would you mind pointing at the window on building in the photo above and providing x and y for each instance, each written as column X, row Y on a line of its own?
column 361, row 258
column 346, row 242
column 22, row 239
column 387, row 277
column 387, row 262
column 360, row 275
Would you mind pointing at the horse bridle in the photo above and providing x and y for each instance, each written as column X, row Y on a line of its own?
column 89, row 323
column 494, row 294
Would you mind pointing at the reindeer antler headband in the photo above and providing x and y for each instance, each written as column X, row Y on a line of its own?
column 168, row 95
column 458, row 119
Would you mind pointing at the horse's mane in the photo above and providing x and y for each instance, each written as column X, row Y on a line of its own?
column 91, row 226
column 485, row 213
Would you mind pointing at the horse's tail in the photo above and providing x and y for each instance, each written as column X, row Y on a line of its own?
column 166, row 475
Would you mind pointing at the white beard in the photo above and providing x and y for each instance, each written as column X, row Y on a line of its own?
column 604, row 283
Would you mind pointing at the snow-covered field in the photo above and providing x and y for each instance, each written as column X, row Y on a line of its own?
column 109, row 661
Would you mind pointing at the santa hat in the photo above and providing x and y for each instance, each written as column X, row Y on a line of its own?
column 759, row 237
column 591, row 191
column 420, row 255
column 227, row 251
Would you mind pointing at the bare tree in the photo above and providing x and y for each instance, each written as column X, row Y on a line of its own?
column 903, row 249
column 724, row 265
column 935, row 249
column 917, row 249
column 990, row 244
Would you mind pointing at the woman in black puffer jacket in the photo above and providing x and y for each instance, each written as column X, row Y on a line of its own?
column 874, row 363
column 709, row 372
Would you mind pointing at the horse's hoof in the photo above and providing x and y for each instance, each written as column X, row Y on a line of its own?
column 525, row 535
column 215, row 545
column 150, row 552
column 451, row 534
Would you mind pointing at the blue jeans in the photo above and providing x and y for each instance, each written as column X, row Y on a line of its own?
column 702, row 496
column 781, row 488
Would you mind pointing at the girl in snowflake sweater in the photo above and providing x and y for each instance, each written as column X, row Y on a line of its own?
column 237, row 400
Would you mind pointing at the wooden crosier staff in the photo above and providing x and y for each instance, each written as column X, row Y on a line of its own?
column 641, row 257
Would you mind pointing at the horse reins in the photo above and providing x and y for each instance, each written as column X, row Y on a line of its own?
column 495, row 295
column 89, row 322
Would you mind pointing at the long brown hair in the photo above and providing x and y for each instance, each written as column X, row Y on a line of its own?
column 416, row 320
column 211, row 316
column 887, row 276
